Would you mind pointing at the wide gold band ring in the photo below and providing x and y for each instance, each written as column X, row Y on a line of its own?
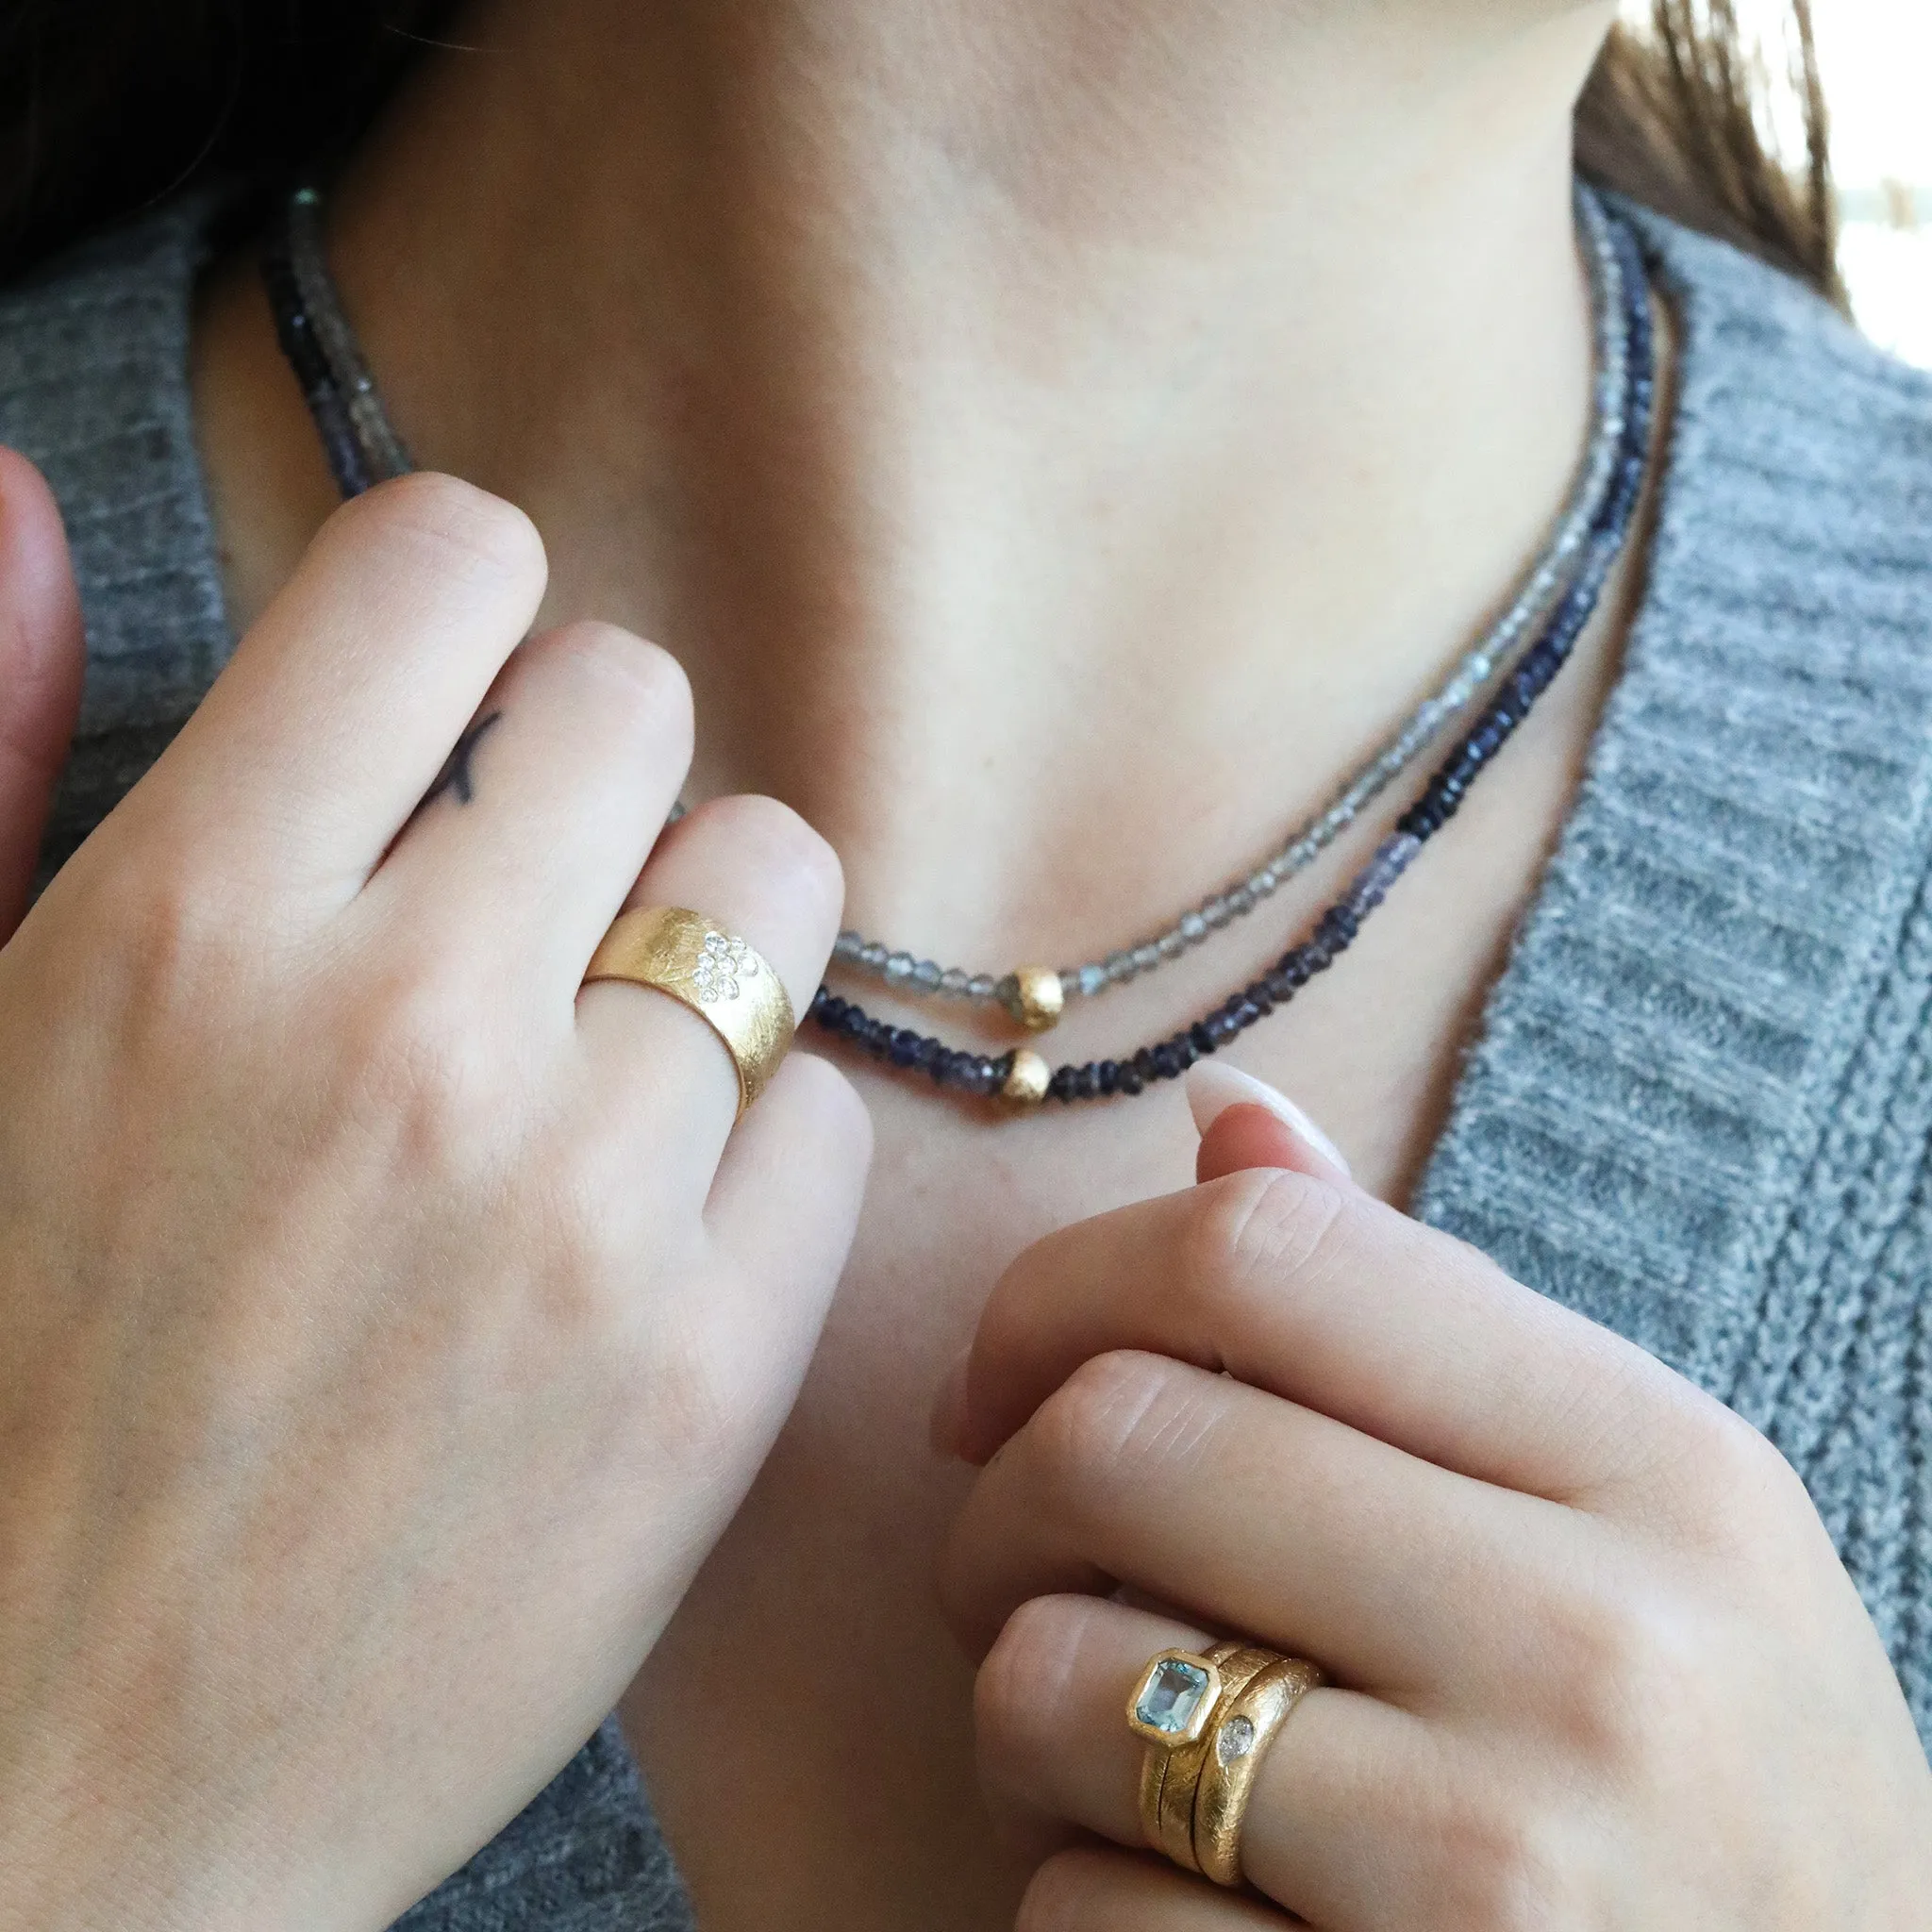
column 1207, row 1720
column 721, row 977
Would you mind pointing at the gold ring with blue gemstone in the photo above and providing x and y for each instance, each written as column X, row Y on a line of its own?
column 1173, row 1699
column 1191, row 1711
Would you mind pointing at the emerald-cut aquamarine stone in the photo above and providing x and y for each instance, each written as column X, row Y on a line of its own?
column 1172, row 1696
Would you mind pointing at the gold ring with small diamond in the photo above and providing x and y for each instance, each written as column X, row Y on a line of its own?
column 721, row 977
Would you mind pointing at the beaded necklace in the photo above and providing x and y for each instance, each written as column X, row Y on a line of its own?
column 1562, row 592
column 364, row 447
column 1024, row 1078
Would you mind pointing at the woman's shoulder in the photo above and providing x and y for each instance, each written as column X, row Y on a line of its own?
column 1791, row 398
column 1766, row 317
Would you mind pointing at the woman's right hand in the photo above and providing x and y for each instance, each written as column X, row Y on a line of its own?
column 386, row 1328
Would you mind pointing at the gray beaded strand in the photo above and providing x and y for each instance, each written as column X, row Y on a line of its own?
column 1550, row 579
column 385, row 455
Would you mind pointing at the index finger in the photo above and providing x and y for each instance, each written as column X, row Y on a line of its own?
column 343, row 702
column 1319, row 1293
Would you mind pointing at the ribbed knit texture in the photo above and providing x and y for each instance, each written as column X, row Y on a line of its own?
column 93, row 386
column 1700, row 1107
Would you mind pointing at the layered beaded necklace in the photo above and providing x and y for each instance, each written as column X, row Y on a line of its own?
column 1553, row 607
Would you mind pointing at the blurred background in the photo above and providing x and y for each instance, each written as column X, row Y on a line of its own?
column 1876, row 58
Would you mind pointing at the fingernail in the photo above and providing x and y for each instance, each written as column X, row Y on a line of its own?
column 1213, row 1087
column 949, row 1409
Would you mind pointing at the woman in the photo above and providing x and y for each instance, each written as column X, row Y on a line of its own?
column 1059, row 445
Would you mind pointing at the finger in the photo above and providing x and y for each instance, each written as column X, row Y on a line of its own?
column 1243, row 1122
column 1047, row 1713
column 1319, row 1293
column 340, row 705
column 538, row 824
column 40, row 659
column 1254, row 1514
column 1356, row 1807
column 757, row 870
column 1089, row 1889
column 784, row 1209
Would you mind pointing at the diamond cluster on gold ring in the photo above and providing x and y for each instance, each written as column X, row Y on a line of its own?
column 721, row 964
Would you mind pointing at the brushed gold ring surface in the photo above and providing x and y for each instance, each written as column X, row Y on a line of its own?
column 721, row 977
column 1245, row 1725
column 1186, row 1767
column 1170, row 1729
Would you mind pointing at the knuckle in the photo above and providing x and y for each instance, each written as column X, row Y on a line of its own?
column 587, row 1261
column 631, row 670
column 1708, row 1479
column 1734, row 1465
column 1627, row 1673
column 183, row 940
column 1103, row 1421
column 418, row 1071
column 460, row 529
column 1257, row 1231
column 1023, row 1684
column 704, row 1405
column 173, row 914
column 781, row 848
column 1509, row 1872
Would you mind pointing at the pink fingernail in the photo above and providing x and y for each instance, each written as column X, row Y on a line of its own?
column 1213, row 1087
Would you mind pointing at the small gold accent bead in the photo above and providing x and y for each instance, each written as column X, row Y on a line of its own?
column 1027, row 1083
column 1036, row 998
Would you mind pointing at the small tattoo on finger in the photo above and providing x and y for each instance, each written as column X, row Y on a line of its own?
column 456, row 775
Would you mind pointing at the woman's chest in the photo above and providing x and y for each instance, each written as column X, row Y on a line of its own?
column 806, row 1724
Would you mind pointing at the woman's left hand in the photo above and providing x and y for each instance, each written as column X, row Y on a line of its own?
column 1594, row 1662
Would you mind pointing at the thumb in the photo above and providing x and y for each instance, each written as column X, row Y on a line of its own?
column 1245, row 1122
column 40, row 659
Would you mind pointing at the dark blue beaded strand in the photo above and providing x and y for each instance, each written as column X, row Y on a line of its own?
column 983, row 1075
column 1438, row 802
column 295, row 331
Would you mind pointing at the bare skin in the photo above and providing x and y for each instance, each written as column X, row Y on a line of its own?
column 1056, row 444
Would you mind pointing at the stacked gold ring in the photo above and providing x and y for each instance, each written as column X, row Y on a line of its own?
column 717, row 974
column 1207, row 1720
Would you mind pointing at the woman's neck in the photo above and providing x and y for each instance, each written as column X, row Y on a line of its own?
column 1018, row 414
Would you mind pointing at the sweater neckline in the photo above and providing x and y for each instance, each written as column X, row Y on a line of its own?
column 1655, row 1074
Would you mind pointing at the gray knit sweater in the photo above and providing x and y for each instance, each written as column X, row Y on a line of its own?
column 1701, row 1109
